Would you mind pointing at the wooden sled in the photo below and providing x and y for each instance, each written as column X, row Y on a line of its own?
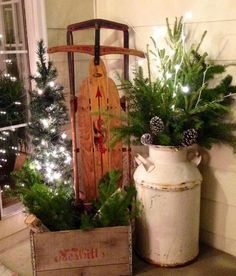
column 97, row 94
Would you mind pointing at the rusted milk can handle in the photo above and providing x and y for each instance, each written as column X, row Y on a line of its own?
column 147, row 164
column 194, row 157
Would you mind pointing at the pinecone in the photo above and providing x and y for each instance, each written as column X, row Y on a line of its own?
column 189, row 137
column 156, row 125
column 146, row 139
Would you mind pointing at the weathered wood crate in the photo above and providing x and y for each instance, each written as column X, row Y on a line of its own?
column 101, row 251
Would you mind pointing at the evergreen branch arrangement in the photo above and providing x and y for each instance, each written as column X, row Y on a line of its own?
column 114, row 206
column 42, row 183
column 55, row 206
column 183, row 103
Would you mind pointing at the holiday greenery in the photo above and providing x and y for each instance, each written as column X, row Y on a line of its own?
column 183, row 103
column 51, row 153
column 11, row 113
column 114, row 206
column 41, row 182
column 55, row 207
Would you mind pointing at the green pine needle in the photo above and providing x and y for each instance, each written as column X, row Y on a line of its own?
column 206, row 102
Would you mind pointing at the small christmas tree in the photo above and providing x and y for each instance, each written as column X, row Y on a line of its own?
column 180, row 104
column 51, row 149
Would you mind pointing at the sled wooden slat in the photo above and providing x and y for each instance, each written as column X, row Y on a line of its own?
column 89, row 49
column 97, row 95
column 102, row 250
column 86, row 145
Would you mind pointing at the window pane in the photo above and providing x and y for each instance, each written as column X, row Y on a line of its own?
column 13, row 52
column 8, row 24
column 14, row 68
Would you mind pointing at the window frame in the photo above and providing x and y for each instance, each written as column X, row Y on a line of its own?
column 36, row 28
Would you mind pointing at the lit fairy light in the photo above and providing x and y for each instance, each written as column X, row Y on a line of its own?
column 13, row 78
column 49, row 170
column 62, row 149
column 188, row 15
column 33, row 164
column 17, row 103
column 1, row 36
column 8, row 61
column 68, row 160
column 49, row 176
column 63, row 136
column 53, row 176
column 45, row 123
column 51, row 107
column 40, row 92
column 168, row 75
column 6, row 75
column 185, row 89
column 3, row 112
column 51, row 83
column 56, row 175
column 43, row 143
column 38, row 167
column 52, row 165
column 53, row 130
column 177, row 67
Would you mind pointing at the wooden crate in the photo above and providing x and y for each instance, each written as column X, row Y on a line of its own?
column 101, row 251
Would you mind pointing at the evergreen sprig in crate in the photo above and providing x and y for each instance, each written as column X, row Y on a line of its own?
column 96, row 252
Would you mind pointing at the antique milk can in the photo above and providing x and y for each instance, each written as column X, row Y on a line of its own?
column 168, row 186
